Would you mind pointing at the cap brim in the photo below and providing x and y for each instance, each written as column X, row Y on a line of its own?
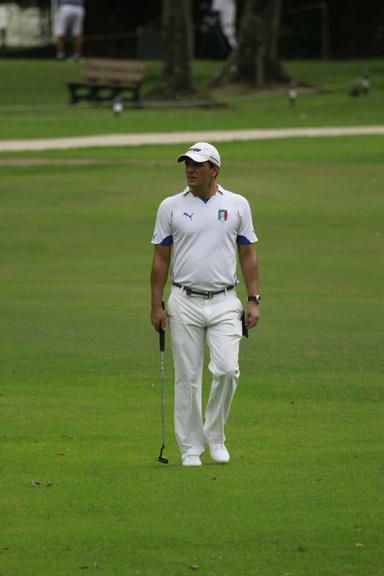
column 193, row 156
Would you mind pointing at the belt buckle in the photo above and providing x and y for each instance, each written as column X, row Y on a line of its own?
column 208, row 295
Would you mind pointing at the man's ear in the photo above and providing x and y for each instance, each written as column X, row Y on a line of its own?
column 215, row 170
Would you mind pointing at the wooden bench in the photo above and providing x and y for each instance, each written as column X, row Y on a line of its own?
column 105, row 79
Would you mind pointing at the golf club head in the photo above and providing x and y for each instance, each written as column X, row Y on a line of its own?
column 161, row 458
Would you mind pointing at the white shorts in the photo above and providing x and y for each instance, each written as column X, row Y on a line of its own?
column 70, row 19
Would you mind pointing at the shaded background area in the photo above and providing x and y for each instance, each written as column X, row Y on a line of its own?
column 326, row 29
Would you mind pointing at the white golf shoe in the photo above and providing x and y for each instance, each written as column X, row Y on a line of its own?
column 218, row 452
column 191, row 460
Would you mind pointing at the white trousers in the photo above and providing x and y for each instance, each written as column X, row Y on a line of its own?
column 193, row 322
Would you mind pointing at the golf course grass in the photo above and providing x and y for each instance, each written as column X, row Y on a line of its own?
column 80, row 423
column 81, row 492
column 33, row 101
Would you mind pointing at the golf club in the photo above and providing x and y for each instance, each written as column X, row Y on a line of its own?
column 161, row 458
column 244, row 326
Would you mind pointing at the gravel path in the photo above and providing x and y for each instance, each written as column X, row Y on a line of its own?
column 181, row 137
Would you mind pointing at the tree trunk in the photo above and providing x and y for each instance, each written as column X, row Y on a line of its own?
column 255, row 60
column 176, row 77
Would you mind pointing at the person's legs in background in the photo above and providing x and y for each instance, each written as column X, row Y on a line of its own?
column 69, row 18
column 77, row 31
column 60, row 54
column 60, row 33
column 77, row 46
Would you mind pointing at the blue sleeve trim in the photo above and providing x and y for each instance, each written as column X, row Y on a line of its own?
column 168, row 241
column 243, row 240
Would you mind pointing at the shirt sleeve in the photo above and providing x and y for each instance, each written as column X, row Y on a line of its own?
column 246, row 232
column 162, row 233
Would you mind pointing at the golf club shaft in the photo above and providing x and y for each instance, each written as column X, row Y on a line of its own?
column 162, row 400
column 162, row 349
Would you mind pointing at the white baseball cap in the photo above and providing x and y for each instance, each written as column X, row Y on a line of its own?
column 202, row 152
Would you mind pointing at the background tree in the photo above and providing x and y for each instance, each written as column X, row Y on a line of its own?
column 255, row 60
column 176, row 76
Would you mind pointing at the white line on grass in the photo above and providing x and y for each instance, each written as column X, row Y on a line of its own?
column 182, row 137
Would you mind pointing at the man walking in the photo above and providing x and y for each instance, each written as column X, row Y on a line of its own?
column 205, row 226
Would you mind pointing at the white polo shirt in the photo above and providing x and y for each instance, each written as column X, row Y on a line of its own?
column 204, row 235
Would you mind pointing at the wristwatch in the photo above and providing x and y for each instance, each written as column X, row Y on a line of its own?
column 256, row 299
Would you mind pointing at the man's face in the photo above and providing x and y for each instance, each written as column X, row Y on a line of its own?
column 199, row 174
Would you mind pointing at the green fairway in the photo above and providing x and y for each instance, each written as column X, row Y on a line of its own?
column 80, row 371
column 33, row 101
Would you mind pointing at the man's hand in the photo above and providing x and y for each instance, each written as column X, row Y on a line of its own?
column 252, row 314
column 158, row 318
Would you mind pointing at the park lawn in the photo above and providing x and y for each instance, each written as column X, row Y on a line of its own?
column 80, row 385
column 33, row 101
